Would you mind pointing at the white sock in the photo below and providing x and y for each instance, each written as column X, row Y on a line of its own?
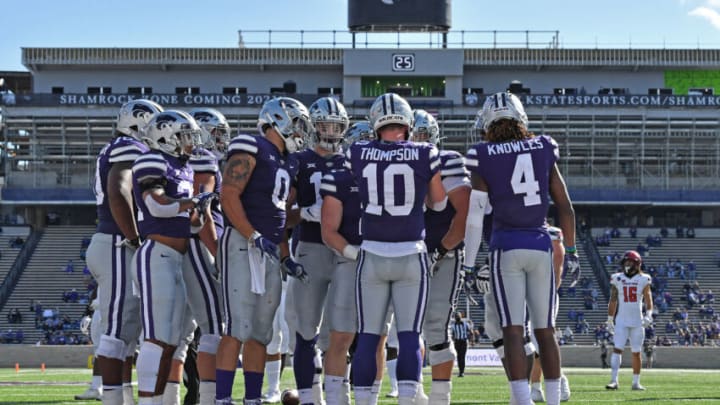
column 171, row 395
column 362, row 395
column 333, row 386
column 407, row 388
column 158, row 400
column 112, row 395
column 317, row 384
column 345, row 392
column 520, row 391
column 392, row 374
column 636, row 379
column 440, row 392
column 552, row 391
column 96, row 382
column 375, row 391
column 306, row 396
column 146, row 401
column 615, row 361
column 536, row 386
column 272, row 374
column 128, row 398
column 207, row 392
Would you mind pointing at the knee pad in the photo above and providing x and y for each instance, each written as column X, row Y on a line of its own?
column 440, row 354
column 148, row 364
column 181, row 350
column 209, row 344
column 391, row 353
column 499, row 346
column 111, row 347
column 530, row 348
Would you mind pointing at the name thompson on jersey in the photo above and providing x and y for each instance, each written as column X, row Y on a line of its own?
column 371, row 153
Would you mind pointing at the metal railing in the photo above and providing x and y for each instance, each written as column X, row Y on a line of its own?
column 13, row 276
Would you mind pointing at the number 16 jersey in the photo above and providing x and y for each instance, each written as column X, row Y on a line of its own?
column 630, row 297
column 517, row 174
column 393, row 182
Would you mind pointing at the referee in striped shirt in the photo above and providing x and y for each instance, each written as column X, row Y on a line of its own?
column 460, row 333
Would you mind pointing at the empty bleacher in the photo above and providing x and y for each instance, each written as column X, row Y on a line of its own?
column 44, row 279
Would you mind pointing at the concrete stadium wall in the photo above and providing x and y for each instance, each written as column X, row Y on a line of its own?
column 573, row 356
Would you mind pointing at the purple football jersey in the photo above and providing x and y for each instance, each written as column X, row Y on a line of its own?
column 178, row 178
column 311, row 168
column 437, row 223
column 204, row 161
column 120, row 149
column 267, row 190
column 340, row 184
column 517, row 174
column 393, row 181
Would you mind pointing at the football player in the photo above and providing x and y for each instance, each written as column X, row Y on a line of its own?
column 516, row 171
column 109, row 256
column 395, row 177
column 445, row 227
column 629, row 289
column 329, row 121
column 199, row 271
column 340, row 227
column 255, row 189
column 162, row 188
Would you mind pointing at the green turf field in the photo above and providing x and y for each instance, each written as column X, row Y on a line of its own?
column 480, row 386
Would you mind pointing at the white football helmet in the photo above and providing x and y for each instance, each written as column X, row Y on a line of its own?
column 501, row 106
column 477, row 132
column 388, row 109
column 214, row 128
column 425, row 128
column 289, row 117
column 330, row 121
column 134, row 115
column 360, row 131
column 173, row 132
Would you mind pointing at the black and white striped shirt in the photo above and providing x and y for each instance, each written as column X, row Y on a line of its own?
column 460, row 330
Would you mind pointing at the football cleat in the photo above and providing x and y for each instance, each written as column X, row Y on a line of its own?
column 271, row 397
column 564, row 388
column 638, row 387
column 537, row 395
column 612, row 386
column 89, row 394
column 392, row 394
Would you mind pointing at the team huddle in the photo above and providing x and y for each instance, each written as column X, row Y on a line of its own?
column 326, row 240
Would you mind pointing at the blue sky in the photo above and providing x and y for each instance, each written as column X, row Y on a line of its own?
column 214, row 23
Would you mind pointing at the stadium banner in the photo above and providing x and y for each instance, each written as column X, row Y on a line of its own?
column 180, row 100
column 482, row 358
column 610, row 101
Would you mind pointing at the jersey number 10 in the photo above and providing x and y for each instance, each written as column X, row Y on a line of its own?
column 630, row 293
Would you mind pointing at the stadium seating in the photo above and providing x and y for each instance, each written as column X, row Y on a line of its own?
column 44, row 279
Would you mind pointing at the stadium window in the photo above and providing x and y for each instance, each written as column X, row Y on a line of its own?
column 565, row 91
column 140, row 90
column 234, row 90
column 416, row 86
column 99, row 90
column 187, row 90
column 660, row 91
column 326, row 91
column 57, row 90
column 473, row 90
column 707, row 91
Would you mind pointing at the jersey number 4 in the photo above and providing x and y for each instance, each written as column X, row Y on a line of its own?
column 374, row 206
column 630, row 293
column 523, row 180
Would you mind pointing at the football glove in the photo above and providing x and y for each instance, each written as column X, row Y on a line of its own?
column 129, row 243
column 647, row 320
column 266, row 246
column 572, row 266
column 610, row 324
column 311, row 213
column 482, row 280
column 435, row 258
column 468, row 284
column 202, row 200
column 294, row 269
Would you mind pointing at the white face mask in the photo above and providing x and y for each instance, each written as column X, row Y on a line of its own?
column 627, row 268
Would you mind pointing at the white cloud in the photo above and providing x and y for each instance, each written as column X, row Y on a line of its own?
column 712, row 16
column 713, row 3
